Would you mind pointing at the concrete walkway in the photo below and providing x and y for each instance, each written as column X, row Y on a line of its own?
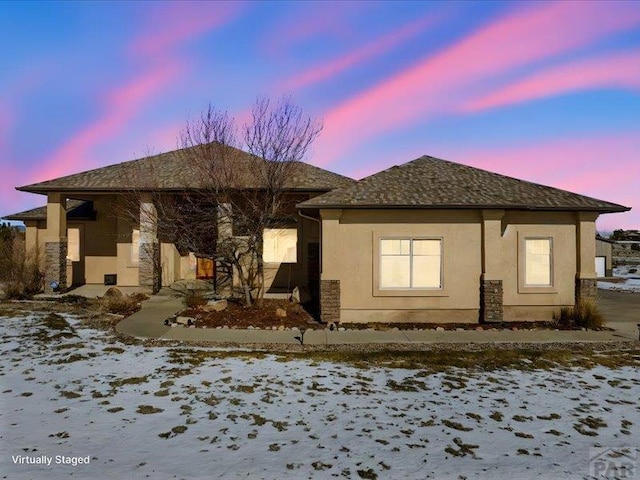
column 149, row 323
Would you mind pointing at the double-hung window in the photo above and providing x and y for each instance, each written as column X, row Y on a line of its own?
column 410, row 263
column 538, row 262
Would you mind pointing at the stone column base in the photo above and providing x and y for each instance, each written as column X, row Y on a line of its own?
column 491, row 301
column 330, row 300
column 586, row 288
column 55, row 265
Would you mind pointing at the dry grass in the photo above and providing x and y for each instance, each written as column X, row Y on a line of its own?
column 584, row 314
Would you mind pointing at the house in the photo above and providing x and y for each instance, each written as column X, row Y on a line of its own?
column 84, row 236
column 432, row 240
column 426, row 241
column 604, row 257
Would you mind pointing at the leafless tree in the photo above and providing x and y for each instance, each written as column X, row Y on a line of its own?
column 234, row 181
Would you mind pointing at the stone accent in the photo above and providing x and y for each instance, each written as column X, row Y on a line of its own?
column 491, row 301
column 586, row 288
column 330, row 300
column 149, row 271
column 55, row 265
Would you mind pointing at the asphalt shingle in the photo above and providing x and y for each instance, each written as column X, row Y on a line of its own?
column 176, row 170
column 430, row 182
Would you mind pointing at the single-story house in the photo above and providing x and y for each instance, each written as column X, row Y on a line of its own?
column 426, row 241
column 604, row 257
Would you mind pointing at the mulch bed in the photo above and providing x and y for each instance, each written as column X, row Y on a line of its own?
column 263, row 317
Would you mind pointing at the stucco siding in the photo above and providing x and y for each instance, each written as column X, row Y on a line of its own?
column 354, row 262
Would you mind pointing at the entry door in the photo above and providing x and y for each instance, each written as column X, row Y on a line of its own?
column 600, row 266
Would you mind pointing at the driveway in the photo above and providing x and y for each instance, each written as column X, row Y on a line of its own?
column 619, row 306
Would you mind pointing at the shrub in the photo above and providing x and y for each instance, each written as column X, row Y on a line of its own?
column 122, row 305
column 195, row 299
column 584, row 314
column 19, row 271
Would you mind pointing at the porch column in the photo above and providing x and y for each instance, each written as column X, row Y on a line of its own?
column 149, row 264
column 586, row 277
column 55, row 245
column 330, row 274
column 491, row 293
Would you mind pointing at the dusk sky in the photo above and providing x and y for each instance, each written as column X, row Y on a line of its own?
column 544, row 91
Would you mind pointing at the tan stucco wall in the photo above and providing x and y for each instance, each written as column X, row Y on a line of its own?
column 348, row 256
column 349, row 252
column 522, row 303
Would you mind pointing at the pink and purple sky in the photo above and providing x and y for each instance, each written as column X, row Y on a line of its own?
column 545, row 91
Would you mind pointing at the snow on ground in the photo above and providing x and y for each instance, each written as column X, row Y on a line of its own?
column 166, row 412
column 631, row 282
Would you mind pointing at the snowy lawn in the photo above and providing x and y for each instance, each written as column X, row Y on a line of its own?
column 169, row 412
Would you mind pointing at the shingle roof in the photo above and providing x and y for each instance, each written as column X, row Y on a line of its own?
column 75, row 209
column 174, row 171
column 429, row 182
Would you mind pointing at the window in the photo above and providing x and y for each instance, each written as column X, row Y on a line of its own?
column 73, row 244
column 410, row 263
column 135, row 247
column 280, row 245
column 537, row 269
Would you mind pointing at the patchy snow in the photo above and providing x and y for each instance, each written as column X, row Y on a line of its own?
column 631, row 282
column 86, row 395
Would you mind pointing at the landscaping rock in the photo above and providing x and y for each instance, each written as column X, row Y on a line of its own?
column 113, row 292
column 281, row 313
column 215, row 306
column 479, row 329
column 301, row 295
column 185, row 320
column 440, row 329
column 281, row 328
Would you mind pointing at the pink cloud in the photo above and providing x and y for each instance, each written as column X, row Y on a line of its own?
column 336, row 66
column 604, row 167
column 181, row 22
column 440, row 83
column 122, row 105
column 321, row 19
column 168, row 27
column 616, row 71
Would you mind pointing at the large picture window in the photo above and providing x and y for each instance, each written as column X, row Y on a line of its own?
column 538, row 262
column 280, row 245
column 407, row 263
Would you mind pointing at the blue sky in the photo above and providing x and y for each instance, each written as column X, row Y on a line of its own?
column 544, row 91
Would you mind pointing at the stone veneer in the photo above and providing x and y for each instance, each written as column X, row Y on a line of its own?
column 491, row 301
column 55, row 265
column 586, row 288
column 330, row 300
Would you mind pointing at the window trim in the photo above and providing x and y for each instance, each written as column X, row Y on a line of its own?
column 379, row 291
column 523, row 287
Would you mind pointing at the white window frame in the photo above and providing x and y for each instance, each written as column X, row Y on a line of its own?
column 409, row 288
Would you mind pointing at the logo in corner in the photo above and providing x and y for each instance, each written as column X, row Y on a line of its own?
column 619, row 463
